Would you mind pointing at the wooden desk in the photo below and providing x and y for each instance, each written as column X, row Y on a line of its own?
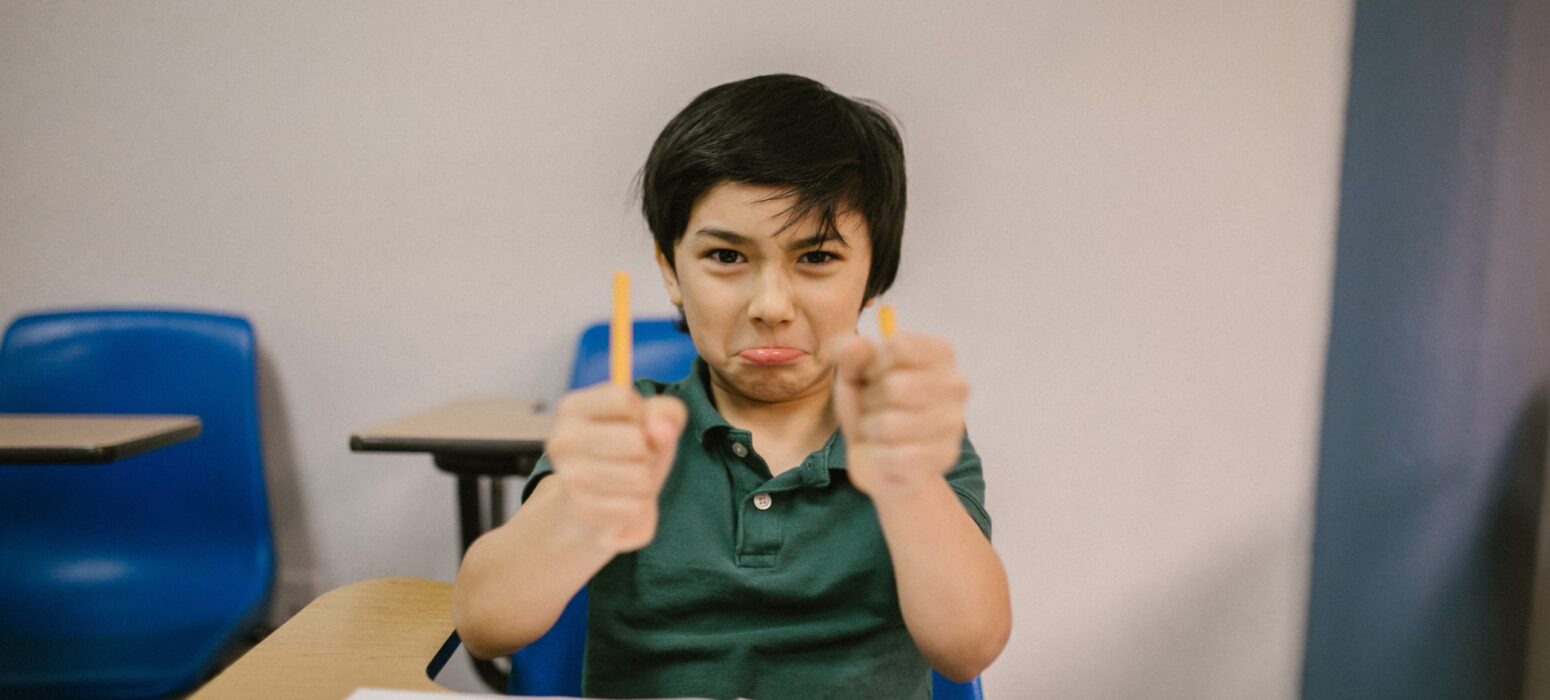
column 64, row 438
column 383, row 633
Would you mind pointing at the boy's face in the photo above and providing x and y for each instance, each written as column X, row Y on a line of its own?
column 766, row 311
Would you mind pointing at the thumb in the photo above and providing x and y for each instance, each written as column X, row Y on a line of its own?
column 850, row 365
column 665, row 420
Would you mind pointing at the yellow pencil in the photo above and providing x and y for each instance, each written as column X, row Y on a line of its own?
column 885, row 316
column 620, row 337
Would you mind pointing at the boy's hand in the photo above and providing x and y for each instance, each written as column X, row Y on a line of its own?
column 611, row 451
column 900, row 405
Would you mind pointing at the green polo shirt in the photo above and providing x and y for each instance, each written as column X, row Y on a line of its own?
column 756, row 586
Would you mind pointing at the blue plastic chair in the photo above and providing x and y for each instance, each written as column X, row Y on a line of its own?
column 551, row 665
column 130, row 579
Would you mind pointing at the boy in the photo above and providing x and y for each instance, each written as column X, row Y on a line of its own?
column 802, row 515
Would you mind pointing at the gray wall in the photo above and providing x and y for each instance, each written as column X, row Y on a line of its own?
column 1122, row 215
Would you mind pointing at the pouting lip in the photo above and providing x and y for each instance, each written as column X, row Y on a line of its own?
column 772, row 347
column 771, row 355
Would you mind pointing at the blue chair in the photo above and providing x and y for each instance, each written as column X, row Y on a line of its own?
column 551, row 665
column 130, row 579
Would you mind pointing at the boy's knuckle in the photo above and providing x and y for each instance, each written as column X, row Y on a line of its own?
column 635, row 482
column 871, row 427
column 944, row 351
column 617, row 441
column 893, row 425
column 625, row 400
column 561, row 442
column 564, row 448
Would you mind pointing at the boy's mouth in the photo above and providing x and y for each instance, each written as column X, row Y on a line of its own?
column 771, row 356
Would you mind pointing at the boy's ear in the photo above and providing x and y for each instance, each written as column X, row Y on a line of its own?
column 869, row 303
column 670, row 278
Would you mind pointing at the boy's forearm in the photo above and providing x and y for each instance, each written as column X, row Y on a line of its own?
column 516, row 579
column 952, row 587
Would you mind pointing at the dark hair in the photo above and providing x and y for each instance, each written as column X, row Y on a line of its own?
column 829, row 151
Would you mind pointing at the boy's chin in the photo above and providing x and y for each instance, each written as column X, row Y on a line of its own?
column 776, row 384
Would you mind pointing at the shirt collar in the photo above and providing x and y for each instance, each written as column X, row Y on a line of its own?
column 694, row 390
column 708, row 423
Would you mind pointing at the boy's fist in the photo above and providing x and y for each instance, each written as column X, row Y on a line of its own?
column 900, row 405
column 611, row 451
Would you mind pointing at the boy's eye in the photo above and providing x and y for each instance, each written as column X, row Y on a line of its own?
column 725, row 256
column 818, row 257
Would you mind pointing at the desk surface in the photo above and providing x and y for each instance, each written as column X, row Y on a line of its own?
column 383, row 633
column 61, row 438
column 494, row 426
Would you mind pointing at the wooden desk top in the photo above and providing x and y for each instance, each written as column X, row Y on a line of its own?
column 382, row 633
column 493, row 426
column 64, row 438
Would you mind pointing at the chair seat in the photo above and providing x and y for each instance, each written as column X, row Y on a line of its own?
column 109, row 625
column 133, row 666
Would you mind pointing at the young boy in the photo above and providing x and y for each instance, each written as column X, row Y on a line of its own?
column 802, row 516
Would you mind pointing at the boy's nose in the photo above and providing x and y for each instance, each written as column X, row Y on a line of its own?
column 772, row 302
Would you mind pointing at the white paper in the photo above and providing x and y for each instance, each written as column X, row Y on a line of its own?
column 389, row 694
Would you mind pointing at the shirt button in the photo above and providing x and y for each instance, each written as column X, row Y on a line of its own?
column 739, row 450
column 762, row 501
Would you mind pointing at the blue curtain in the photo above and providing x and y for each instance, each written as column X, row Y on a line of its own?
column 1433, row 442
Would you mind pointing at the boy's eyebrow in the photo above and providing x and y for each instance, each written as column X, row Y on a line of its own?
column 739, row 239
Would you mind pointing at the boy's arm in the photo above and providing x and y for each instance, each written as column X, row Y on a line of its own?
column 611, row 451
column 900, row 406
column 952, row 587
column 516, row 579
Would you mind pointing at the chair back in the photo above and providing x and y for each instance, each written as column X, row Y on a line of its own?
column 169, row 549
column 660, row 352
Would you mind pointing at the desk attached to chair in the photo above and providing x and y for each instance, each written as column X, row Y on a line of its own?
column 382, row 633
column 64, row 438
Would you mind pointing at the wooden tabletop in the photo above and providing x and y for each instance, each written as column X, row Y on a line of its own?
column 382, row 633
column 494, row 426
column 67, row 438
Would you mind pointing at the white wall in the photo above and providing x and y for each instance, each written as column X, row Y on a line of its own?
column 1122, row 214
